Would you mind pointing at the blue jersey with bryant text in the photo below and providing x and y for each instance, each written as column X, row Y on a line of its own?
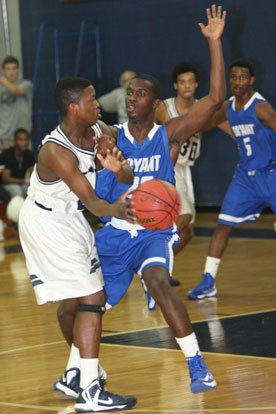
column 125, row 248
column 257, row 142
column 148, row 160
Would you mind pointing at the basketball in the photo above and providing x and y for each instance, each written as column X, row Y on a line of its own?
column 157, row 204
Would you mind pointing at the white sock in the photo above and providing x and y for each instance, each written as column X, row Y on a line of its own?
column 189, row 345
column 88, row 371
column 212, row 265
column 74, row 358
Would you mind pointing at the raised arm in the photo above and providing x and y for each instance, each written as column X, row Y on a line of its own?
column 219, row 118
column 182, row 128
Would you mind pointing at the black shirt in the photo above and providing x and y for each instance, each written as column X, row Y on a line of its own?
column 18, row 168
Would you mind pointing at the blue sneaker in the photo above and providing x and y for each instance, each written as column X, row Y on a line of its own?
column 69, row 383
column 201, row 378
column 206, row 289
column 94, row 398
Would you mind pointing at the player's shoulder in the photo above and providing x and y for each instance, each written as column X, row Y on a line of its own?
column 161, row 113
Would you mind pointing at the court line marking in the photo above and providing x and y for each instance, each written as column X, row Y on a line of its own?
column 70, row 409
column 270, row 359
column 215, row 318
column 26, row 348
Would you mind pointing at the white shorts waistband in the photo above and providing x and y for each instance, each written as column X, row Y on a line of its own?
column 124, row 225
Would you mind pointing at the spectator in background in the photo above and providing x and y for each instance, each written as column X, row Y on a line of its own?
column 17, row 162
column 114, row 101
column 15, row 102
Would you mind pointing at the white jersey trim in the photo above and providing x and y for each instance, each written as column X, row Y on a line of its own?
column 256, row 95
column 131, row 138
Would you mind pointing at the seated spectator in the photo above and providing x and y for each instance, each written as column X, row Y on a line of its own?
column 15, row 102
column 114, row 101
column 17, row 163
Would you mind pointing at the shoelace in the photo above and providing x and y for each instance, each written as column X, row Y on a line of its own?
column 195, row 363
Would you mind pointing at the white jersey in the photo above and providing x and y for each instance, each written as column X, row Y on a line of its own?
column 56, row 195
column 56, row 238
column 190, row 150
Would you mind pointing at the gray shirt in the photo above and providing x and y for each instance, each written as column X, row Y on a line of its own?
column 15, row 110
column 114, row 101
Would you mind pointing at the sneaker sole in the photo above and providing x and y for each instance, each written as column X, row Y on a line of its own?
column 57, row 386
column 204, row 295
column 198, row 387
column 83, row 408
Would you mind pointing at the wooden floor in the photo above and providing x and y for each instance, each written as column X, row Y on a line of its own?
column 236, row 332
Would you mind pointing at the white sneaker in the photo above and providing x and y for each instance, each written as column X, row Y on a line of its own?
column 94, row 398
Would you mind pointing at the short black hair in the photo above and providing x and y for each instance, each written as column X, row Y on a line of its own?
column 69, row 90
column 155, row 84
column 21, row 131
column 184, row 67
column 243, row 63
column 10, row 59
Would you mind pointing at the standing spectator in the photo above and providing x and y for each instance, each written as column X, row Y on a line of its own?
column 114, row 101
column 15, row 102
column 18, row 162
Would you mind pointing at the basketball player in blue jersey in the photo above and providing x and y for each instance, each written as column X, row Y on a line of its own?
column 58, row 242
column 253, row 123
column 152, row 151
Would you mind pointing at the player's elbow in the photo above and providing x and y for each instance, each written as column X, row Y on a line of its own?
column 218, row 96
column 216, row 100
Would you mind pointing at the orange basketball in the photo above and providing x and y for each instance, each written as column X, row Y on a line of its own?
column 157, row 204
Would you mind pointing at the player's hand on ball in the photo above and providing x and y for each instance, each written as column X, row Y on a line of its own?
column 113, row 160
column 216, row 22
column 124, row 208
column 103, row 143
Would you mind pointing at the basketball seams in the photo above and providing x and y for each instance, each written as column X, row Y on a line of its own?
column 159, row 198
column 157, row 204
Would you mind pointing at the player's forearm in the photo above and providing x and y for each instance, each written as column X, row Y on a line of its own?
column 11, row 87
column 125, row 175
column 99, row 207
column 217, row 90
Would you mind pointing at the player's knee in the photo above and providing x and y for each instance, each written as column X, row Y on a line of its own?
column 184, row 223
column 68, row 308
column 158, row 284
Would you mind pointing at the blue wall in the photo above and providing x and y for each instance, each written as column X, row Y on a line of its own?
column 151, row 36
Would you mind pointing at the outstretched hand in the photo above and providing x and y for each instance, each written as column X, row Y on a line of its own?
column 113, row 160
column 216, row 22
column 103, row 143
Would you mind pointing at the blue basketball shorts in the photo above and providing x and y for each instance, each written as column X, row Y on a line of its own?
column 247, row 196
column 122, row 254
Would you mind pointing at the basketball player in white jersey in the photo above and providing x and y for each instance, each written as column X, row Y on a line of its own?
column 58, row 242
column 185, row 81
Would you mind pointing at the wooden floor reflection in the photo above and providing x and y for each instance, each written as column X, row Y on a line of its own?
column 236, row 332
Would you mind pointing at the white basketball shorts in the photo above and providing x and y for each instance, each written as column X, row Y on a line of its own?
column 60, row 252
column 184, row 185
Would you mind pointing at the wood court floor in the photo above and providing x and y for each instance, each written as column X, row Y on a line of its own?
column 236, row 332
